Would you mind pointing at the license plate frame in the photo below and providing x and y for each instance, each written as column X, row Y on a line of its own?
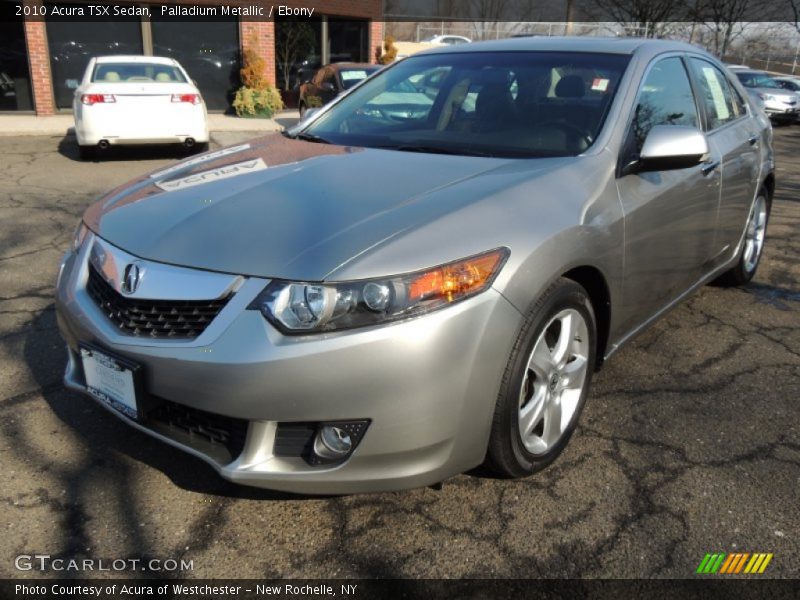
column 113, row 380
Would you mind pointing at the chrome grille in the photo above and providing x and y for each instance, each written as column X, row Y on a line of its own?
column 177, row 319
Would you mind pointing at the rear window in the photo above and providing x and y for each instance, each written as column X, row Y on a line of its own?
column 136, row 72
column 350, row 77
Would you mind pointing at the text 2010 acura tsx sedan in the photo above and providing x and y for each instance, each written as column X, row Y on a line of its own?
column 382, row 299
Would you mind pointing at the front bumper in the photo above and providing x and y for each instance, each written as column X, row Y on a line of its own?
column 427, row 386
column 781, row 109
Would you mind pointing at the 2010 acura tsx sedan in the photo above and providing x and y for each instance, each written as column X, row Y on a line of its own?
column 382, row 298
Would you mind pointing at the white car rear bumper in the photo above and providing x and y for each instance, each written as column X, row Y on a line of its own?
column 167, row 126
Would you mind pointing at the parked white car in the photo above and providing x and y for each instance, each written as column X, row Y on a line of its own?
column 448, row 40
column 138, row 100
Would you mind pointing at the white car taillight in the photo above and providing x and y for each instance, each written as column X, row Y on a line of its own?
column 190, row 98
column 89, row 99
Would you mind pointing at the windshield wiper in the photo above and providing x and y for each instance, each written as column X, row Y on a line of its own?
column 435, row 150
column 306, row 137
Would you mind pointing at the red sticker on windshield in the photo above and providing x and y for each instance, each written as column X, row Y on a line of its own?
column 599, row 84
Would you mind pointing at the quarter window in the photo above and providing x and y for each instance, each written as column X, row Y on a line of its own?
column 665, row 98
column 715, row 93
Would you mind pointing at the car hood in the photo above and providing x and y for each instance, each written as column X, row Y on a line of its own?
column 282, row 208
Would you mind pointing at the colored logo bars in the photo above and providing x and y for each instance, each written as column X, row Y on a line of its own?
column 731, row 564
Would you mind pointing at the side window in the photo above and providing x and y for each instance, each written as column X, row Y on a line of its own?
column 715, row 93
column 665, row 98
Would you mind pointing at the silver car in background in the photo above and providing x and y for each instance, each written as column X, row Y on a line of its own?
column 780, row 104
column 380, row 298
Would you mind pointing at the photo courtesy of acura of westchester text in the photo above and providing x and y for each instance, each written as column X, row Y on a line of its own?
column 339, row 294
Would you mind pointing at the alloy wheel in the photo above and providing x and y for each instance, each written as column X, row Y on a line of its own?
column 754, row 236
column 553, row 382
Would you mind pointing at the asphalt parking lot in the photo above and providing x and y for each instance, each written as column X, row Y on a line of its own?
column 690, row 442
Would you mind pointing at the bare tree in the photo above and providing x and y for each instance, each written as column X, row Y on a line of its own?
column 650, row 16
column 793, row 9
column 487, row 15
column 723, row 18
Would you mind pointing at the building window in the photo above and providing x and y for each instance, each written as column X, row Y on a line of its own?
column 15, row 80
column 73, row 43
column 348, row 40
column 298, row 52
column 209, row 51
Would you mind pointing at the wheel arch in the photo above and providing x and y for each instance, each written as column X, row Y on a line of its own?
column 593, row 281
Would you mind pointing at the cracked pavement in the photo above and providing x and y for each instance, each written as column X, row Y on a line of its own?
column 690, row 441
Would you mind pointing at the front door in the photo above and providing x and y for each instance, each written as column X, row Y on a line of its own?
column 670, row 216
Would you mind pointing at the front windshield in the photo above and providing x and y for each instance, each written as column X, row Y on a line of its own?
column 757, row 80
column 505, row 104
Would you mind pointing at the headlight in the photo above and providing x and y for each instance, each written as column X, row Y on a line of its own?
column 299, row 307
column 80, row 234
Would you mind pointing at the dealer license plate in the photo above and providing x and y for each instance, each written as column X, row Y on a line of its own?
column 110, row 380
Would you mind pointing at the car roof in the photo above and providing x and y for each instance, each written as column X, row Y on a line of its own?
column 610, row 45
column 352, row 65
column 136, row 58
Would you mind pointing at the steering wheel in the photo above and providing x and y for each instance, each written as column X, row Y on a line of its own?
column 569, row 129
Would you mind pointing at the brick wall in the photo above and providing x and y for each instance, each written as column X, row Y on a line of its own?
column 39, row 60
column 376, row 32
column 260, row 35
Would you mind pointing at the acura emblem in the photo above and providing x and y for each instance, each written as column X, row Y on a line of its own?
column 131, row 277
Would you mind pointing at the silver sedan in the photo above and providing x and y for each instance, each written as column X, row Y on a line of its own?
column 382, row 298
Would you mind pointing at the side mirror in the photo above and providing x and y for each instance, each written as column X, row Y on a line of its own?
column 669, row 147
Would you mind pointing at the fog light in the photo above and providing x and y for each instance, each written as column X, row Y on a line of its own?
column 332, row 442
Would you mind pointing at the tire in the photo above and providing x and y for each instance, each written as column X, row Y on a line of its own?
column 753, row 246
column 87, row 152
column 557, row 393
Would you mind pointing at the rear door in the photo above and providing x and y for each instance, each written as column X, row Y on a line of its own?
column 670, row 216
column 735, row 138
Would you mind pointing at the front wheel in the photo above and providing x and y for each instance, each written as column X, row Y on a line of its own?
column 546, row 382
column 753, row 246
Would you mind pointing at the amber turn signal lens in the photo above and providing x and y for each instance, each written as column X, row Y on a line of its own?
column 456, row 279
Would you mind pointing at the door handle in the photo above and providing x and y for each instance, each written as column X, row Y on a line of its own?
column 709, row 166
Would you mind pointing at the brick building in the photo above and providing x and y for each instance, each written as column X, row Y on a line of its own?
column 43, row 57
